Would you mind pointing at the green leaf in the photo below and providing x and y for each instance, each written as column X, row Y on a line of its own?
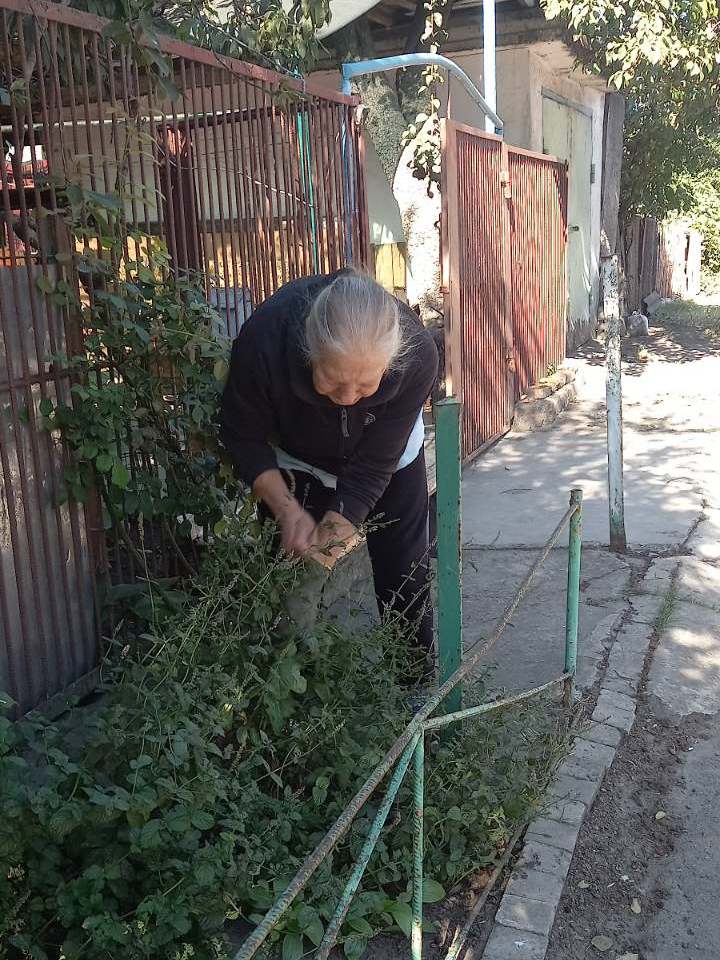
column 292, row 948
column 360, row 925
column 120, row 475
column 432, row 891
column 314, row 932
column 354, row 948
column 168, row 88
column 402, row 915
column 44, row 285
column 202, row 820
column 118, row 31
column 290, row 675
column 46, row 406
column 104, row 462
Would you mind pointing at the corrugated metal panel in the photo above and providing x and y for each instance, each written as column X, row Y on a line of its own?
column 538, row 230
column 243, row 174
column 503, row 241
column 475, row 269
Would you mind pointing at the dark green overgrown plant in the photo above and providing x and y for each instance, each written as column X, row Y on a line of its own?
column 222, row 750
column 141, row 424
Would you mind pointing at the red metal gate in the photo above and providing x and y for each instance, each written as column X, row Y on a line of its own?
column 503, row 238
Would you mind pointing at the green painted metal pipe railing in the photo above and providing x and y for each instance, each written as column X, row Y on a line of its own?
column 449, row 544
column 410, row 744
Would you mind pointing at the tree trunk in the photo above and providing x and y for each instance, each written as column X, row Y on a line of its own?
column 419, row 209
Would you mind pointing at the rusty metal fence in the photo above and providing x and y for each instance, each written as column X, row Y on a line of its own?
column 252, row 178
column 503, row 239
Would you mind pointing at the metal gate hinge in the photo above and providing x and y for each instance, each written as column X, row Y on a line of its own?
column 505, row 183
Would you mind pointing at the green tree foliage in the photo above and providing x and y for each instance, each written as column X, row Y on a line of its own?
column 703, row 212
column 265, row 31
column 664, row 56
column 627, row 39
column 670, row 140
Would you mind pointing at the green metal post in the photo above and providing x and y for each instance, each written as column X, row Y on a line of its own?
column 449, row 544
column 573, row 594
column 336, row 922
column 418, row 848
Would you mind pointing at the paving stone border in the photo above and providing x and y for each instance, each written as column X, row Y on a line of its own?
column 528, row 906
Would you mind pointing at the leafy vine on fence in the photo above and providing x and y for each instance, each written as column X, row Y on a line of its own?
column 424, row 132
column 141, row 422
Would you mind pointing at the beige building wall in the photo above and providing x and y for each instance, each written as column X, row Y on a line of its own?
column 526, row 76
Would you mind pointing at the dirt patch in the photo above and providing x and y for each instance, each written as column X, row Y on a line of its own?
column 617, row 864
column 446, row 918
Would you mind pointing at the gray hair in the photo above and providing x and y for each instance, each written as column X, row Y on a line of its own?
column 354, row 315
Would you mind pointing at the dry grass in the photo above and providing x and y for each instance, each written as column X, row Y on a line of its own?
column 703, row 313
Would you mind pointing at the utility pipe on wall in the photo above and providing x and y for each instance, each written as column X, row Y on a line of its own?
column 489, row 69
column 381, row 64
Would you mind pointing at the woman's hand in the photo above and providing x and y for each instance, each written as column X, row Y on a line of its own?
column 333, row 536
column 297, row 527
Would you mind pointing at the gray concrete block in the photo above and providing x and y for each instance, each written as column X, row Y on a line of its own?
column 644, row 609
column 609, row 698
column 588, row 760
column 705, row 539
column 553, row 833
column 506, row 943
column 635, row 637
column 698, row 582
column 540, row 414
column 613, row 716
column 600, row 638
column 622, row 685
column 565, row 810
column 627, row 664
column 601, row 733
column 539, row 392
column 544, row 857
column 568, row 787
column 658, row 578
column 535, row 885
column 616, row 709
column 685, row 671
column 587, row 672
column 525, row 914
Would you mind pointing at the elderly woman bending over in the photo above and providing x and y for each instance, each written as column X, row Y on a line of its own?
column 322, row 417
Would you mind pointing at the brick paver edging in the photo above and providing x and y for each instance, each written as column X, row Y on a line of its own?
column 527, row 910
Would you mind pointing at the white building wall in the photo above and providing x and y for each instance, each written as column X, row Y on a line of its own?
column 542, row 77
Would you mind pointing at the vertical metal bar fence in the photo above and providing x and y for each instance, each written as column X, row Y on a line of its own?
column 246, row 188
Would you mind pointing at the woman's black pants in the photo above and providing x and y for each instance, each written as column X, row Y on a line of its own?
column 397, row 539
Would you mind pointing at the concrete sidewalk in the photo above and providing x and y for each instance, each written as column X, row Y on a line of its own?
column 640, row 822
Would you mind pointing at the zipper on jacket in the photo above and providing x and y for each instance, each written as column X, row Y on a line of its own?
column 344, row 432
